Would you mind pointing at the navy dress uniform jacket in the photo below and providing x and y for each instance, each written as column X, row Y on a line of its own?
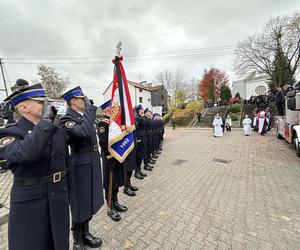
column 39, row 214
column 141, row 140
column 85, row 161
column 118, row 177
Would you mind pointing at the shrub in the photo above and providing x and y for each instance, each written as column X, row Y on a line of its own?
column 184, row 116
column 167, row 117
column 235, row 108
column 195, row 104
column 234, row 117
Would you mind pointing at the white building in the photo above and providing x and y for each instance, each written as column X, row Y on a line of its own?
column 140, row 94
column 251, row 86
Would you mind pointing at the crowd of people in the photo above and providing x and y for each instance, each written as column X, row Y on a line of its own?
column 57, row 167
column 260, row 122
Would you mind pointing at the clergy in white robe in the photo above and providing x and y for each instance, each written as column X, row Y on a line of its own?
column 217, row 124
column 247, row 125
column 262, row 123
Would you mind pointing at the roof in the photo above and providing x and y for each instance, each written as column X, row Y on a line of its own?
column 146, row 86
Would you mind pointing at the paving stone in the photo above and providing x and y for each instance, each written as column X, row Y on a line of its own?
column 251, row 202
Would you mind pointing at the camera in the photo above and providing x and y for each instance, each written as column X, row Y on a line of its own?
column 6, row 110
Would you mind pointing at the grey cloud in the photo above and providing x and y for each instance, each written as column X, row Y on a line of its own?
column 48, row 28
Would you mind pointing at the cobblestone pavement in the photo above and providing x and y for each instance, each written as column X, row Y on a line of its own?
column 234, row 192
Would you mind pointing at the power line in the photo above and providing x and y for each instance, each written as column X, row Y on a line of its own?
column 144, row 56
column 96, row 60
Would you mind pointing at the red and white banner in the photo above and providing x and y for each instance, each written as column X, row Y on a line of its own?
column 120, row 137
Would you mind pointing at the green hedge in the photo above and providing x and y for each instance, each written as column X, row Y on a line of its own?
column 184, row 116
column 235, row 108
column 234, row 117
column 167, row 117
column 194, row 104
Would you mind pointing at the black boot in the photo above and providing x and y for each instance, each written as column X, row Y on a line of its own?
column 152, row 161
column 119, row 208
column 138, row 175
column 133, row 188
column 143, row 174
column 113, row 214
column 148, row 168
column 88, row 239
column 129, row 192
column 154, row 156
column 77, row 236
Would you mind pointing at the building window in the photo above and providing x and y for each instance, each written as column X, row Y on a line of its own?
column 141, row 99
column 140, row 90
column 260, row 90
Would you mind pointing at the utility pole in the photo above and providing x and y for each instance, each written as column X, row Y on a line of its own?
column 4, row 81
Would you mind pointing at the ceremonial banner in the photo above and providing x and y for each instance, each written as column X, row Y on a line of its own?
column 120, row 137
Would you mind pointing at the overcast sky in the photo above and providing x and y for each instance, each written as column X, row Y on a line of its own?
column 156, row 30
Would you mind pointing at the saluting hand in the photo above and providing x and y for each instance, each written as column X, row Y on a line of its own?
column 87, row 101
column 49, row 112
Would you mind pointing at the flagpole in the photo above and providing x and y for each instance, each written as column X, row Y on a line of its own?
column 120, row 83
column 112, row 161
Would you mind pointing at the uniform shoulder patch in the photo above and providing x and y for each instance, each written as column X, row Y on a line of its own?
column 69, row 124
column 101, row 129
column 4, row 141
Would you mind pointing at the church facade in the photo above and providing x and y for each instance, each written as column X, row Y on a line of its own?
column 251, row 86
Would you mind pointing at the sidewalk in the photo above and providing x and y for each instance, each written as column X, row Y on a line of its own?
column 234, row 192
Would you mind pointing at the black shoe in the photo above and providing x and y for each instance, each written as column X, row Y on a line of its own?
column 2, row 170
column 143, row 174
column 154, row 156
column 119, row 207
column 91, row 241
column 138, row 175
column 88, row 239
column 151, row 161
column 133, row 188
column 128, row 192
column 146, row 167
column 113, row 214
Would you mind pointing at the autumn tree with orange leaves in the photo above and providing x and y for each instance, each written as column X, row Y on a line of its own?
column 214, row 77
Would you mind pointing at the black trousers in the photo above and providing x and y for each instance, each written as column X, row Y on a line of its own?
column 128, row 179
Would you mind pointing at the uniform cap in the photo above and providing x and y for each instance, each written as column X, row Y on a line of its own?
column 138, row 107
column 33, row 92
column 105, row 105
column 73, row 93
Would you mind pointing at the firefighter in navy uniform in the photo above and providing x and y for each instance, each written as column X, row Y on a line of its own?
column 141, row 141
column 149, row 133
column 85, row 160
column 161, row 132
column 110, row 163
column 156, row 133
column 37, row 155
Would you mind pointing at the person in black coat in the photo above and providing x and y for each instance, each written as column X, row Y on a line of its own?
column 141, row 141
column 148, row 159
column 85, row 159
column 37, row 154
column 110, row 164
